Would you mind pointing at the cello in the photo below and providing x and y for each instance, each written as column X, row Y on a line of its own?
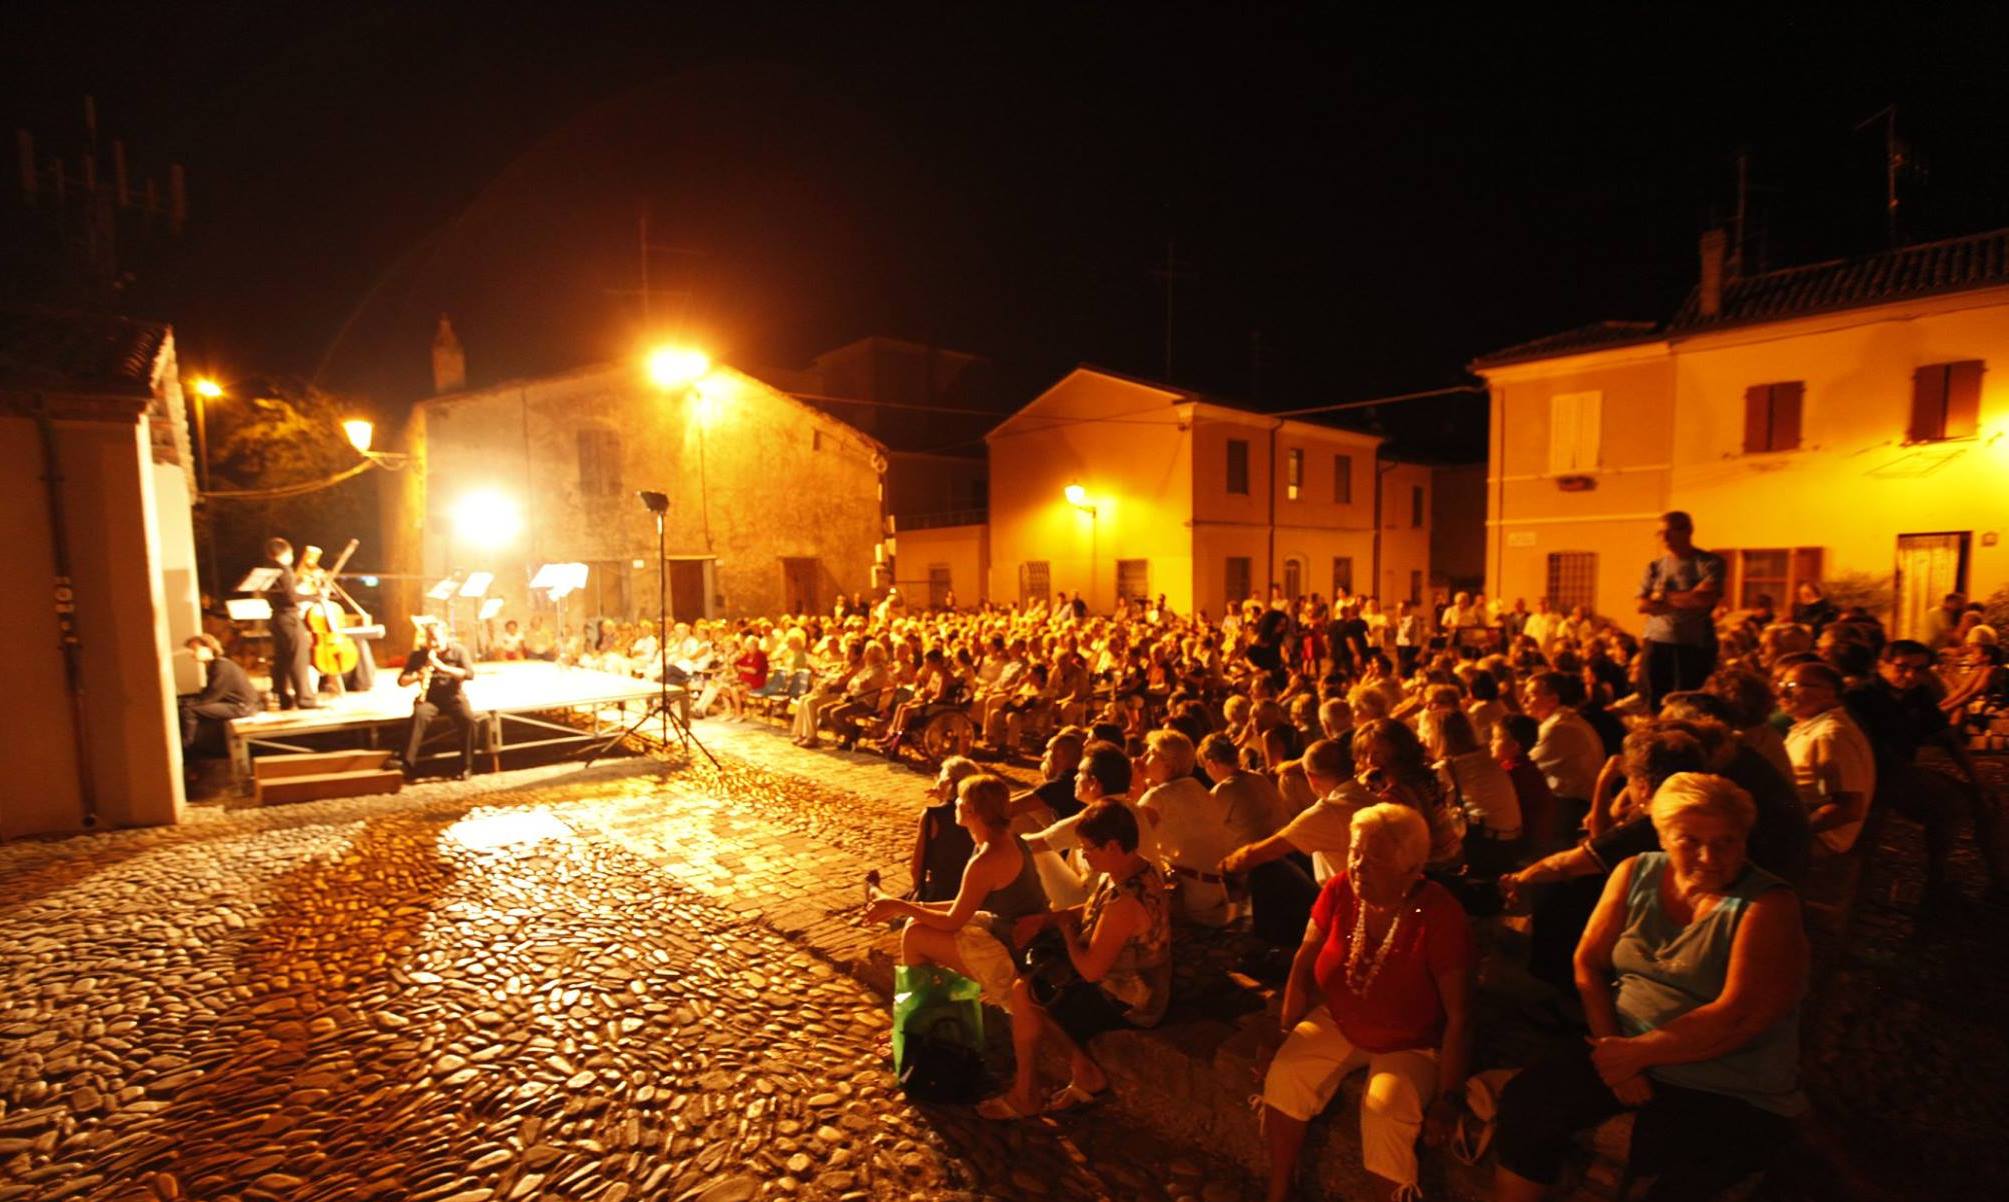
column 334, row 652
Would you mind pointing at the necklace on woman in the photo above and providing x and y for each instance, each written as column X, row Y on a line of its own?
column 1360, row 976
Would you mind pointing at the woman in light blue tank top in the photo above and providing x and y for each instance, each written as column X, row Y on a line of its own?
column 1691, row 973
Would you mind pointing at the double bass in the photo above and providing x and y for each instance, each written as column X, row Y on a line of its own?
column 334, row 653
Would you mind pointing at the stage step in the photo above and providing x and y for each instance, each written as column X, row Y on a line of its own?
column 317, row 775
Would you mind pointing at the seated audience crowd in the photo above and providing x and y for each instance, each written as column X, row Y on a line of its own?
column 1363, row 791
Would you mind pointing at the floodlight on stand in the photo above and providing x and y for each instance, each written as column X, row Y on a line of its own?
column 654, row 502
column 490, row 608
column 486, row 518
column 477, row 584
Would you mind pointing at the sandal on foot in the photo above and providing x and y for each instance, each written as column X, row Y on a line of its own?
column 1073, row 1097
column 1002, row 1109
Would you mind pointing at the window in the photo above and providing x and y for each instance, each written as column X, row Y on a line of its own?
column 1133, row 579
column 1238, row 577
column 1775, row 572
column 938, row 586
column 1238, row 466
column 1033, row 582
column 599, row 462
column 1573, row 580
column 1574, row 418
column 1293, row 578
column 1342, row 576
column 1342, row 479
column 1772, row 417
column 816, row 440
column 1295, row 479
column 1945, row 400
column 1415, row 586
column 1416, row 506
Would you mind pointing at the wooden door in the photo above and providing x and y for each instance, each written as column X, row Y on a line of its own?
column 1929, row 566
column 688, row 602
column 799, row 578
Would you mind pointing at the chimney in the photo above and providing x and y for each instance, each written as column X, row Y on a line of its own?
column 449, row 362
column 1709, row 295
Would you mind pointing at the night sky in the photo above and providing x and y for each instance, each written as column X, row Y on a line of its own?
column 1359, row 206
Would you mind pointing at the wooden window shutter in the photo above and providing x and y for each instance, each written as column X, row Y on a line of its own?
column 1757, row 418
column 1963, row 399
column 1562, row 434
column 1590, row 416
column 1786, row 415
column 1928, row 403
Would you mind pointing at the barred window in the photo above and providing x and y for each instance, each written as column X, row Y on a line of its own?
column 1133, row 579
column 1034, row 582
column 1239, row 575
column 1573, row 579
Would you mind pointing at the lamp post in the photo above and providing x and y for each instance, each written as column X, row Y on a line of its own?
column 681, row 370
column 205, row 390
column 1077, row 496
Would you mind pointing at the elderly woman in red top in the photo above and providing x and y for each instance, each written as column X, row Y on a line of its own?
column 1381, row 982
column 749, row 673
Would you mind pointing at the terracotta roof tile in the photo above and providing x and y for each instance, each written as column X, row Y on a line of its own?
column 1954, row 265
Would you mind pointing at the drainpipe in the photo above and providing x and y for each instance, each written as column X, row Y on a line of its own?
column 1270, row 554
column 66, row 610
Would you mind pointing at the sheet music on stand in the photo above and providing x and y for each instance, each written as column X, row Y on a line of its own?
column 247, row 609
column 490, row 608
column 445, row 589
column 477, row 584
column 257, row 580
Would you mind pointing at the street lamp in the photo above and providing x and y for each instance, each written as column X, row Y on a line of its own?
column 672, row 367
column 205, row 389
column 1077, row 496
column 361, row 432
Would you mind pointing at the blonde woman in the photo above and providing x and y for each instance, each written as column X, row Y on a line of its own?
column 1691, row 973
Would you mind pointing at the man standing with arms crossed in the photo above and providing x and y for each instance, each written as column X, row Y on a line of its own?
column 1678, row 595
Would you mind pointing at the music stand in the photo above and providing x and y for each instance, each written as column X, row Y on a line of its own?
column 489, row 609
column 659, row 504
column 257, row 580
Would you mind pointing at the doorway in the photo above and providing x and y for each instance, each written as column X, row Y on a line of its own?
column 1929, row 566
column 799, row 581
column 690, row 590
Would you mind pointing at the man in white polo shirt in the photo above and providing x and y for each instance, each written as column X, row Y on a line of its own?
column 1834, row 769
column 1568, row 752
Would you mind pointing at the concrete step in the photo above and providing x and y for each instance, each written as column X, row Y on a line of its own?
column 316, row 786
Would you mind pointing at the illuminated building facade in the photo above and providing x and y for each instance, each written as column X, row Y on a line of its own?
column 1845, row 422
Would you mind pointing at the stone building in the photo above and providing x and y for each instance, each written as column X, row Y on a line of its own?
column 98, row 552
column 774, row 506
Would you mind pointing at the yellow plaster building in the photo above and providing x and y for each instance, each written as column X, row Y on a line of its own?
column 1842, row 418
column 1113, row 487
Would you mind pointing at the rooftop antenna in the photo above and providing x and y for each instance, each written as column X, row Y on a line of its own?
column 1171, row 274
column 1893, row 159
column 1736, row 264
column 646, row 249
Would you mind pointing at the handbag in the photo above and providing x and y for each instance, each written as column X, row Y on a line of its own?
column 938, row 1035
column 1045, row 965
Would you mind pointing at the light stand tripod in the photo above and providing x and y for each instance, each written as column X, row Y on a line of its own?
column 659, row 504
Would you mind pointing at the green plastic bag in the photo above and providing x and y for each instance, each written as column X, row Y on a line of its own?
column 939, row 1001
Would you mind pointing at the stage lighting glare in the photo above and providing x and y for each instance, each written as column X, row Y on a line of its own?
column 486, row 518
column 676, row 366
column 360, row 433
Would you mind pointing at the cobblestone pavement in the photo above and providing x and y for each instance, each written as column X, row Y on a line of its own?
column 620, row 983
column 470, row 992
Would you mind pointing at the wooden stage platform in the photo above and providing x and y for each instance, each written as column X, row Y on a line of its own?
column 519, row 704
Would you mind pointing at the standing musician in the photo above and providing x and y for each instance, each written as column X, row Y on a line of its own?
column 228, row 694
column 291, row 680
column 439, row 666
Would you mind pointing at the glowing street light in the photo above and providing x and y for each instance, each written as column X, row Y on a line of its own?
column 360, row 431
column 677, row 366
column 1077, row 496
column 207, row 388
column 486, row 518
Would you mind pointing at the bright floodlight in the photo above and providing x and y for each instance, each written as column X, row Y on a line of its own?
column 360, row 432
column 207, row 388
column 1077, row 495
column 486, row 518
column 676, row 366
